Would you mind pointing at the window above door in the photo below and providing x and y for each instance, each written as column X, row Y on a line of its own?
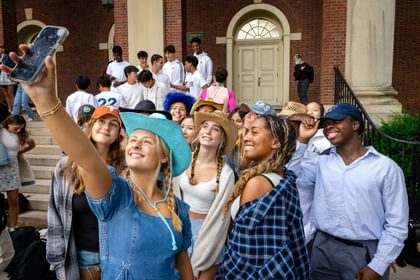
column 258, row 28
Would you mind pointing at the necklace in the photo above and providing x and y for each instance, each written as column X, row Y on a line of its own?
column 154, row 207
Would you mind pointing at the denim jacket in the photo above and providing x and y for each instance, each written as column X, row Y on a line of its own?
column 133, row 244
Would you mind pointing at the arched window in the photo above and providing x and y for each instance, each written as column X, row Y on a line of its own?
column 258, row 29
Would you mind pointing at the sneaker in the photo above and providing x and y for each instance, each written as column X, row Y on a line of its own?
column 31, row 120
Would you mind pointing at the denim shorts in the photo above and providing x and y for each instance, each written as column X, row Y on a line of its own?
column 195, row 229
column 88, row 259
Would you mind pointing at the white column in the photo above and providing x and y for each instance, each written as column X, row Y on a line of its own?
column 369, row 54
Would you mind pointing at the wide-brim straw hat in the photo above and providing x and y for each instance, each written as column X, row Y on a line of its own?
column 290, row 108
column 167, row 130
column 201, row 102
column 220, row 118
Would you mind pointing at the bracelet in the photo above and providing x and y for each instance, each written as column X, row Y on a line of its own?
column 52, row 111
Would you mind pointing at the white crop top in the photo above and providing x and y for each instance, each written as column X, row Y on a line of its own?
column 199, row 197
column 272, row 177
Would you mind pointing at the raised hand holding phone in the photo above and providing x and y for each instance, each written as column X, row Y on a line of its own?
column 31, row 64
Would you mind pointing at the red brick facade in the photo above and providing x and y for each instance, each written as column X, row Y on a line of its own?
column 333, row 46
column 322, row 25
column 406, row 66
column 305, row 17
column 88, row 23
column 173, row 25
column 121, row 25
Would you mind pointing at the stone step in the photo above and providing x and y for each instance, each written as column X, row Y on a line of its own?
column 45, row 150
column 35, row 124
column 35, row 218
column 42, row 186
column 37, row 131
column 42, row 160
column 37, row 201
column 44, row 140
column 42, row 172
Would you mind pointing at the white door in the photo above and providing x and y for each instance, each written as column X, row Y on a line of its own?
column 257, row 78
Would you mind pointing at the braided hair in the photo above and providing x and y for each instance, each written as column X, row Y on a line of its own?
column 167, row 183
column 281, row 130
column 220, row 153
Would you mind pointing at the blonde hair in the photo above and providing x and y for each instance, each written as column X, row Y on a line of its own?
column 115, row 159
column 167, row 183
column 281, row 130
column 219, row 154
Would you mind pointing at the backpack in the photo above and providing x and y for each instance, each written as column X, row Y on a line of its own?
column 33, row 264
column 22, row 237
column 3, row 216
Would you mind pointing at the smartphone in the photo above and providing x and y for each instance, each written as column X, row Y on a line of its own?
column 45, row 43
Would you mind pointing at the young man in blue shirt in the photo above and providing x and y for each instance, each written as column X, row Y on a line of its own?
column 360, row 204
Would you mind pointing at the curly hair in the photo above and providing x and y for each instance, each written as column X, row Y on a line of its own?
column 281, row 130
column 115, row 159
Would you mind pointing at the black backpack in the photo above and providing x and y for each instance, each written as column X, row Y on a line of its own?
column 22, row 237
column 3, row 216
column 33, row 264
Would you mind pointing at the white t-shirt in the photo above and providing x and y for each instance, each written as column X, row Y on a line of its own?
column 162, row 78
column 205, row 66
column 131, row 94
column 76, row 100
column 175, row 71
column 110, row 98
column 156, row 94
column 116, row 69
column 195, row 83
column 10, row 141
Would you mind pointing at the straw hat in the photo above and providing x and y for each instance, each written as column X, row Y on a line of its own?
column 220, row 118
column 201, row 102
column 290, row 107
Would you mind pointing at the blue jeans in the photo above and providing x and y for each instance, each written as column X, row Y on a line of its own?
column 88, row 259
column 22, row 98
column 302, row 88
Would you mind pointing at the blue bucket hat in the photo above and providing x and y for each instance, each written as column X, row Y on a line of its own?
column 340, row 111
column 170, row 133
column 177, row 96
column 259, row 107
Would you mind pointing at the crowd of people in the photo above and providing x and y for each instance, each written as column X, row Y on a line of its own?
column 181, row 183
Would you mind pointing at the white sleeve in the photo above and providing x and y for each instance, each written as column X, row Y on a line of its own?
column 209, row 71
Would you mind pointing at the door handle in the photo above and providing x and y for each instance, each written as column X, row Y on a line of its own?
column 259, row 81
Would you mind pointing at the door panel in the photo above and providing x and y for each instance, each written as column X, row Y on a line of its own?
column 257, row 73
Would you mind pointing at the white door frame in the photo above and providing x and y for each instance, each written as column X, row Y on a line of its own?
column 285, row 40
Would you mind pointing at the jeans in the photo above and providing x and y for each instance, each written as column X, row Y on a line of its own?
column 302, row 88
column 22, row 98
column 88, row 259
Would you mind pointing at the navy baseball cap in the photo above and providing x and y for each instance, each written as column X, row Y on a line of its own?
column 340, row 111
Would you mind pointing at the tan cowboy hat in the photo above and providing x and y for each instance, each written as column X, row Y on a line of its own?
column 290, row 108
column 201, row 102
column 220, row 118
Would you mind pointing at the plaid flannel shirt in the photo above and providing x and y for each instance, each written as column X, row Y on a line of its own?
column 267, row 240
column 61, row 246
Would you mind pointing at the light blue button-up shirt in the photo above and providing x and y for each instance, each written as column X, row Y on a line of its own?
column 366, row 200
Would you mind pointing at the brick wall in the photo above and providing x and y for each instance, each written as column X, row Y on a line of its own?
column 333, row 45
column 213, row 17
column 89, row 24
column 8, row 22
column 406, row 66
column 173, row 25
column 121, row 25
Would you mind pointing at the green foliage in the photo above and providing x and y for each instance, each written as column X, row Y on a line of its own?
column 404, row 126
